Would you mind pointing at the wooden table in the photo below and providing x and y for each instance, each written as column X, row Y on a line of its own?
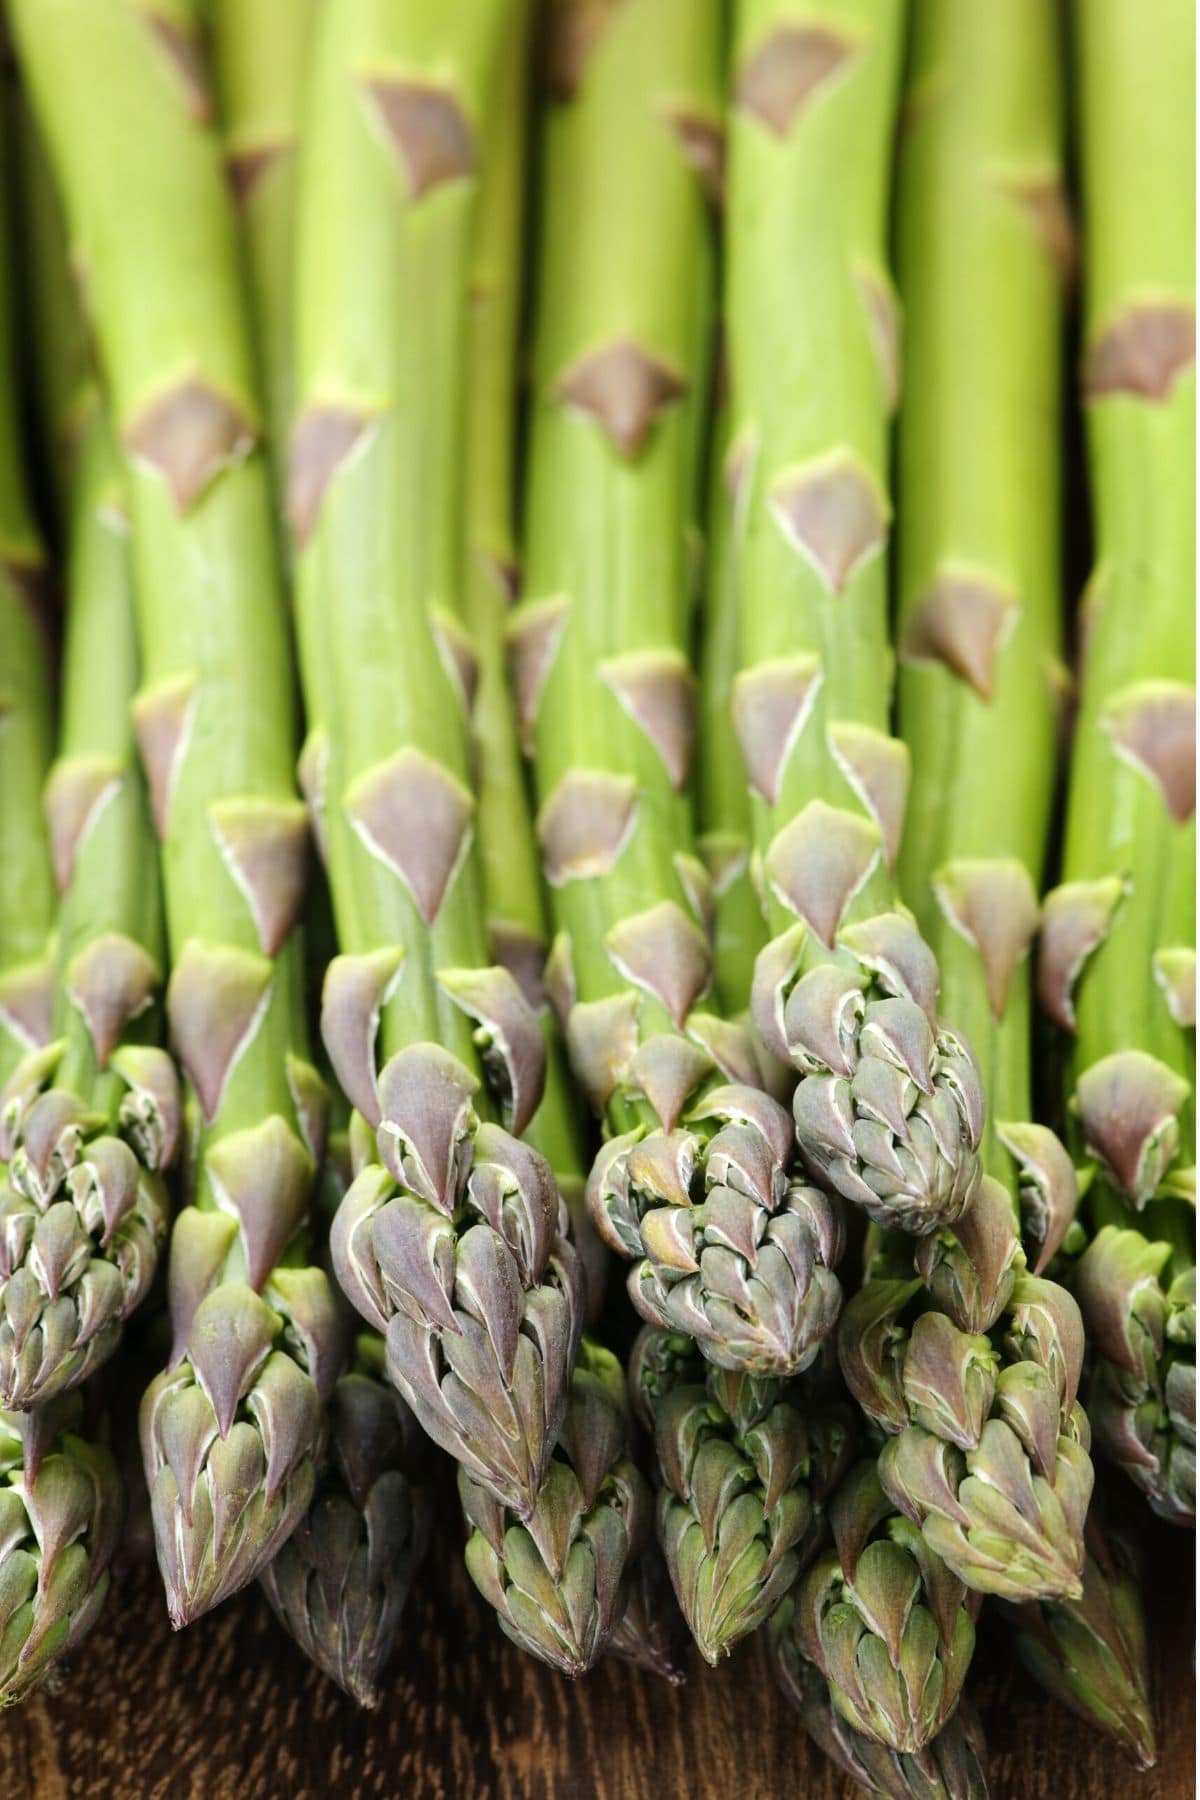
column 230, row 1710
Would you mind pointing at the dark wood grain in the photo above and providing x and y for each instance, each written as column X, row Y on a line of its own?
column 229, row 1710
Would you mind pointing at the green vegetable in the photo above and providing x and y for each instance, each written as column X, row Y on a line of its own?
column 450, row 1239
column 230, row 1428
column 1118, row 943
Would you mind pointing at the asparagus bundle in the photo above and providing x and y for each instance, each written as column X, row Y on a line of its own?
column 230, row 1428
column 451, row 1239
column 888, row 1111
column 1118, row 944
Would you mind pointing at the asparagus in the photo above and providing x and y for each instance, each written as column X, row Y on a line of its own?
column 991, row 1453
column 722, row 1246
column 1118, row 944
column 26, row 744
column 557, row 1579
column 890, row 1628
column 451, row 1238
column 92, row 1120
column 952, row 1767
column 340, row 1584
column 1092, row 1653
column 259, row 54
column 723, row 803
column 230, row 1428
column 745, row 1465
column 60, row 1518
column 888, row 1109
column 513, row 897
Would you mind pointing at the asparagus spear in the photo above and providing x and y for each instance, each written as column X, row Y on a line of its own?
column 229, row 1430
column 723, row 802
column 888, row 1110
column 93, row 1119
column 60, row 1518
column 1118, row 944
column 991, row 1453
column 340, row 1584
column 450, row 1240
column 745, row 1465
column 1091, row 1653
column 558, row 1579
column 26, row 742
column 259, row 54
column 513, row 896
column 952, row 1767
column 606, row 695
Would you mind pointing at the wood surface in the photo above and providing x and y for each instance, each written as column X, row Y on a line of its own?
column 230, row 1710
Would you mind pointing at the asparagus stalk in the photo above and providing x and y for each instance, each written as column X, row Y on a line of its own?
column 558, row 1579
column 513, row 896
column 259, row 54
column 745, row 1465
column 26, row 743
column 230, row 1429
column 990, row 1457
column 340, row 1584
column 92, row 1120
column 1118, row 944
column 1091, row 1653
column 723, row 802
column 888, row 1110
column 451, row 1239
column 952, row 1767
column 60, row 1519
column 722, row 1247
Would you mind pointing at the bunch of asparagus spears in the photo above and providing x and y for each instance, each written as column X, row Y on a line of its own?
column 397, row 932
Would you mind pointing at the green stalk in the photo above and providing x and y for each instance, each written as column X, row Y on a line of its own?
column 259, row 56
column 60, row 1495
column 607, row 696
column 980, row 222
column 230, row 1429
column 340, row 1584
column 93, row 1119
column 812, row 368
column 513, row 898
column 723, row 802
column 63, row 368
column 620, row 385
column 27, row 900
column 1118, row 943
column 448, row 1240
